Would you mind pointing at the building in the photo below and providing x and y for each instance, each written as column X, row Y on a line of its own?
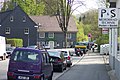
column 51, row 34
column 114, row 57
column 36, row 29
column 17, row 24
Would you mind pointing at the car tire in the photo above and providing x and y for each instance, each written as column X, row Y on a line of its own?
column 42, row 78
column 50, row 78
column 9, row 78
column 61, row 68
column 2, row 58
column 68, row 65
column 65, row 67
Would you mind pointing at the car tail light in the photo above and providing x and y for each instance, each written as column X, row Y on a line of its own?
column 68, row 58
column 59, row 60
column 37, row 77
column 10, row 73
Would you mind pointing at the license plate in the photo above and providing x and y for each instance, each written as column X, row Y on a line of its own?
column 23, row 78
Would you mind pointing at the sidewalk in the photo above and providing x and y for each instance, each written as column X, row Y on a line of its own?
column 111, row 72
column 91, row 67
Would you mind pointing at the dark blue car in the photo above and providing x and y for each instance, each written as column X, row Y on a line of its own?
column 29, row 64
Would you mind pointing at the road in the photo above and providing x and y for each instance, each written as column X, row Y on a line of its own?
column 91, row 67
column 4, row 68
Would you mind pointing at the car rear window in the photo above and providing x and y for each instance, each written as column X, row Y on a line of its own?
column 54, row 53
column 65, row 53
column 25, row 56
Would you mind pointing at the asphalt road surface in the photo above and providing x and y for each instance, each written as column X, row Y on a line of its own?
column 91, row 67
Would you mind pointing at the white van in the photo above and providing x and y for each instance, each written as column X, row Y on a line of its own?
column 2, row 48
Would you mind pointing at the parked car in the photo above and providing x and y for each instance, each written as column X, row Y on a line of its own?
column 9, row 51
column 29, row 64
column 58, row 60
column 68, row 56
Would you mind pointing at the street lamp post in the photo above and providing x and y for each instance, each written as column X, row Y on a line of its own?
column 37, row 27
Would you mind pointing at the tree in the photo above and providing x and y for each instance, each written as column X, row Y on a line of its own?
column 63, row 13
column 31, row 7
column 90, row 21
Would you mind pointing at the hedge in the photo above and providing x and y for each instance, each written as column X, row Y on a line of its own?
column 15, row 42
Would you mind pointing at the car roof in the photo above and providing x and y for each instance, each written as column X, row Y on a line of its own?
column 27, row 49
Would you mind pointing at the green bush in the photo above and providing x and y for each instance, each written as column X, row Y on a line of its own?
column 15, row 42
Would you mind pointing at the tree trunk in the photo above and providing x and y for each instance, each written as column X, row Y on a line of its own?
column 65, row 37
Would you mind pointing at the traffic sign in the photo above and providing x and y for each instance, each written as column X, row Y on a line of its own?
column 108, row 18
column 105, row 30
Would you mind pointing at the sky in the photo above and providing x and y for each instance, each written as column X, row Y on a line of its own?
column 89, row 4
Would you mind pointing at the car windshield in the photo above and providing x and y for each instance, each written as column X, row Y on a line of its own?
column 25, row 56
column 65, row 53
column 81, row 43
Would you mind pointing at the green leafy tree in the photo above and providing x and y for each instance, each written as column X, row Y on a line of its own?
column 31, row 7
column 80, row 34
column 90, row 21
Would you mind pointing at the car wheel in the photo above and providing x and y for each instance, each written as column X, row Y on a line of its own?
column 9, row 78
column 61, row 68
column 65, row 67
column 68, row 65
column 50, row 78
column 2, row 58
column 42, row 78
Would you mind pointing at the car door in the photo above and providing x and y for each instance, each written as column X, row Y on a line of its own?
column 46, row 65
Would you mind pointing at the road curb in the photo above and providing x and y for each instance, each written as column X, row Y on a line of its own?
column 69, row 68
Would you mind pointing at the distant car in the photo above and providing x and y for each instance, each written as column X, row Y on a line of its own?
column 58, row 60
column 68, row 56
column 81, row 48
column 9, row 51
column 29, row 64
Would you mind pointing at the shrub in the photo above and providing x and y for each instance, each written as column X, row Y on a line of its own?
column 15, row 42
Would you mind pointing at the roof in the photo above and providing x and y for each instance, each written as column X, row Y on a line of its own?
column 5, row 14
column 50, row 24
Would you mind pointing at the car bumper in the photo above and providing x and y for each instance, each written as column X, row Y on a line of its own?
column 17, row 76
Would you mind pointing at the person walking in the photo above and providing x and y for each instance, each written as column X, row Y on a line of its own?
column 93, row 48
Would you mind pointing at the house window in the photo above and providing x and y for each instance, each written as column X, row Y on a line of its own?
column 11, row 18
column 68, row 44
column 7, row 30
column 68, row 35
column 42, row 44
column 46, row 43
column 41, row 35
column 24, row 18
column 51, row 35
column 26, row 31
